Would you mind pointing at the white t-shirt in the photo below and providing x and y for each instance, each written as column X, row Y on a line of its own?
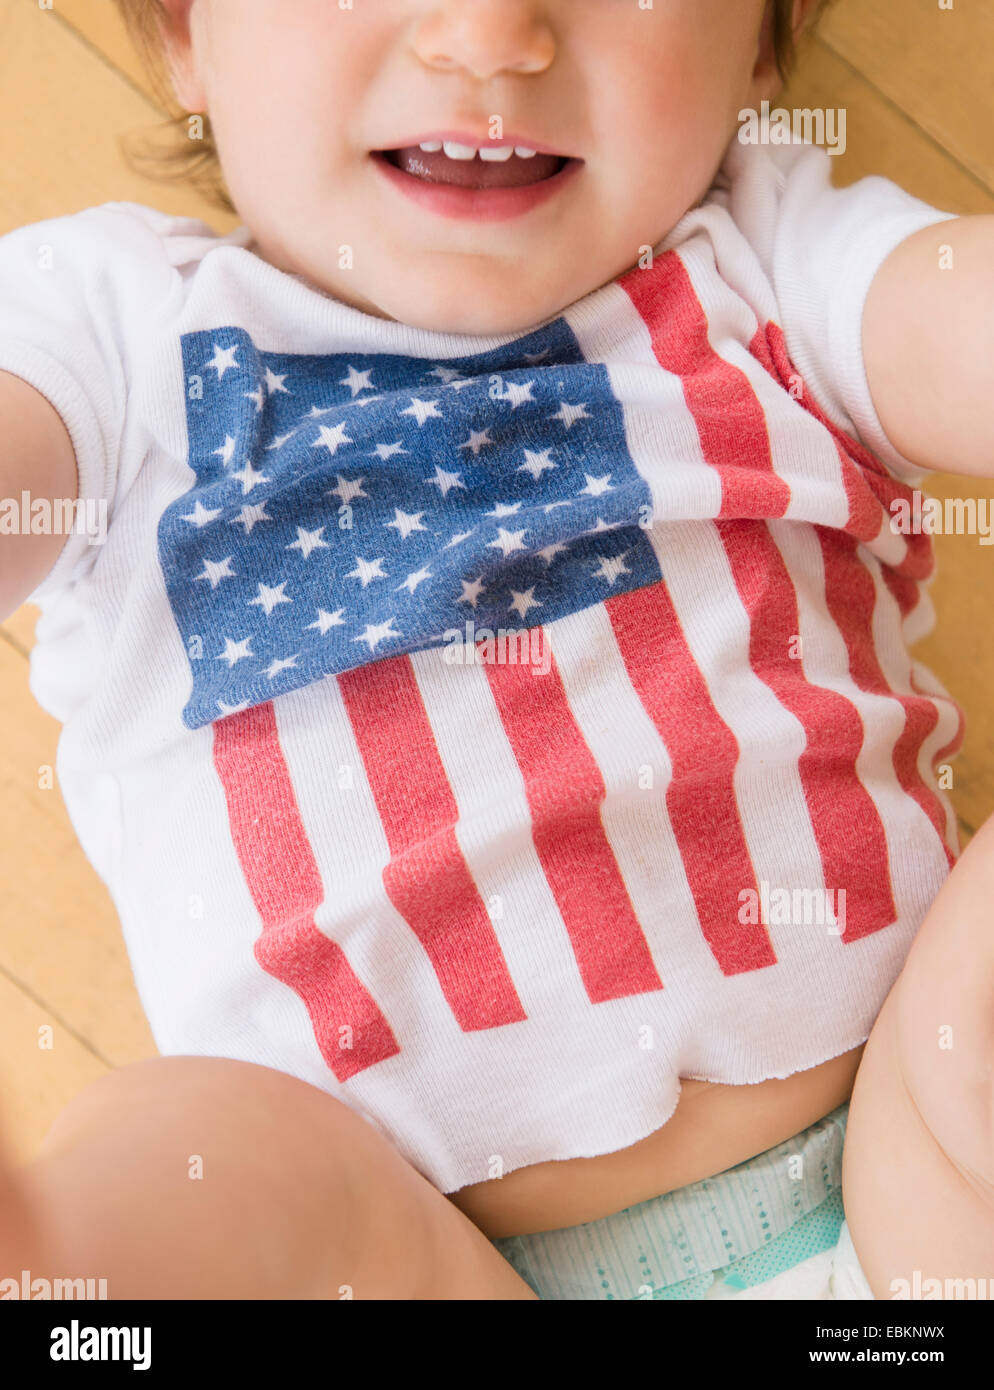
column 678, row 819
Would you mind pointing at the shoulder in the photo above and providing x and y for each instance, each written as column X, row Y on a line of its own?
column 116, row 237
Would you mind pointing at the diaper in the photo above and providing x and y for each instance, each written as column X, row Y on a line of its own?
column 770, row 1228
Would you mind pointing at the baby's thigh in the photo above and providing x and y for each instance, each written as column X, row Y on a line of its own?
column 918, row 1164
column 244, row 1182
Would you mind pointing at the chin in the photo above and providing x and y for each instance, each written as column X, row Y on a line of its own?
column 466, row 312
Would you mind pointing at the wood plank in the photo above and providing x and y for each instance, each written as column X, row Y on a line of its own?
column 99, row 22
column 934, row 63
column 880, row 138
column 20, row 627
column 42, row 1066
column 63, row 111
column 60, row 939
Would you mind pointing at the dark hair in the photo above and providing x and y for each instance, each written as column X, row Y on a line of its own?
column 169, row 153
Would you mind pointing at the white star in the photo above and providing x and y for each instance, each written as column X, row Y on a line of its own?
column 612, row 567
column 249, row 478
column 507, row 541
column 445, row 480
column 274, row 383
column 518, row 394
column 374, row 635
column 200, row 516
column 524, row 601
column 458, row 540
column 365, row 400
column 357, row 381
column 551, row 551
column 317, row 410
column 347, row 489
column 446, row 374
column 280, row 440
column 223, row 359
column 327, row 620
column 596, row 487
column 332, row 439
column 532, row 357
column 602, row 525
column 366, row 570
column 232, row 709
column 387, row 451
column 258, row 395
column 226, row 451
column 406, row 522
column 413, row 580
column 216, row 570
column 234, row 651
column 471, row 592
column 277, row 666
column 424, row 410
column 569, row 414
column 476, row 441
column 536, row 464
column 250, row 515
column 270, row 598
column 503, row 509
column 307, row 541
column 553, row 505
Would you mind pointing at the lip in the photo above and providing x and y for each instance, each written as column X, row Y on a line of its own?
column 465, row 137
column 476, row 204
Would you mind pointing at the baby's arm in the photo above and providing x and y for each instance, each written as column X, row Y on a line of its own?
column 918, row 1166
column 37, row 457
column 928, row 346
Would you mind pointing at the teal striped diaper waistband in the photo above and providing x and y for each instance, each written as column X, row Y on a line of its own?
column 671, row 1246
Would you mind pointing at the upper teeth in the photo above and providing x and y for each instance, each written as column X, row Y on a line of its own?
column 495, row 152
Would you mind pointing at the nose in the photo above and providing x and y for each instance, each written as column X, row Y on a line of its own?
column 486, row 37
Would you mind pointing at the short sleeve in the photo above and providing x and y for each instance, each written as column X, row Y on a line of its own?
column 821, row 248
column 76, row 293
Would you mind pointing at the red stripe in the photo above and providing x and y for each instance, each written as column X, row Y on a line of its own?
column 734, row 438
column 866, row 514
column 285, row 884
column 565, row 789
column 850, row 591
column 427, row 878
column 851, row 597
column 919, row 560
column 702, row 806
column 948, row 750
column 719, row 395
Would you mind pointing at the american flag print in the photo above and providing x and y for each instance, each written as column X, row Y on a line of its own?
column 352, row 507
column 512, row 487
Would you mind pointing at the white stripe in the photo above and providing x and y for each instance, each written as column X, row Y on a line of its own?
column 703, row 590
column 494, row 832
column 637, row 771
column 917, row 862
column 660, row 432
column 350, row 846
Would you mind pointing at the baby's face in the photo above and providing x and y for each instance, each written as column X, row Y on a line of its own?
column 301, row 93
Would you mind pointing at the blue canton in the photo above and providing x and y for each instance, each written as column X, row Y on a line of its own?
column 354, row 506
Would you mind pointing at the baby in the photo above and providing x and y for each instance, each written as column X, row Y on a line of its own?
column 490, row 706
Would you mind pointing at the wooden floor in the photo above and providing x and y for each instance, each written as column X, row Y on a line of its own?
column 916, row 83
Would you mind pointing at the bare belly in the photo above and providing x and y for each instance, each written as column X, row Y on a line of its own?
column 713, row 1128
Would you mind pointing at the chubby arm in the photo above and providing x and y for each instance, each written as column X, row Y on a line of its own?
column 928, row 346
column 37, row 457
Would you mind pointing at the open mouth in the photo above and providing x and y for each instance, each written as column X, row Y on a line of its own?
column 462, row 166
